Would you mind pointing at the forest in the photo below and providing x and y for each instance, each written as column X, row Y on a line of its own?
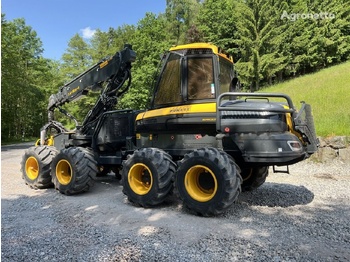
column 270, row 40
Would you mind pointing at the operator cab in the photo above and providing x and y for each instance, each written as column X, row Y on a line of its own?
column 192, row 76
column 193, row 73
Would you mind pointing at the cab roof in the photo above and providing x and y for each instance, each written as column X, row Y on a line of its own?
column 214, row 49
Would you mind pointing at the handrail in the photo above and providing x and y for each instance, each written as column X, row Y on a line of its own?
column 220, row 108
column 237, row 94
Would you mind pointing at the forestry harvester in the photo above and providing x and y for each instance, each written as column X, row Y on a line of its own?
column 199, row 136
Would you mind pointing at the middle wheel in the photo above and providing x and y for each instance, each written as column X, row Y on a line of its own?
column 208, row 181
column 73, row 170
column 147, row 176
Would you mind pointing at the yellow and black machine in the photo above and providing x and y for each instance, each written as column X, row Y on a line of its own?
column 200, row 135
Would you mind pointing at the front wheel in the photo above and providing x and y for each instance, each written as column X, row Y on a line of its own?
column 147, row 176
column 35, row 166
column 73, row 170
column 208, row 181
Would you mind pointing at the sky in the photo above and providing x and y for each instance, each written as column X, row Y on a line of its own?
column 57, row 21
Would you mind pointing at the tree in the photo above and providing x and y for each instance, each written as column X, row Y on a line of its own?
column 260, row 38
column 317, row 34
column 181, row 16
column 105, row 44
column 150, row 41
column 332, row 30
column 76, row 59
column 217, row 22
column 24, row 74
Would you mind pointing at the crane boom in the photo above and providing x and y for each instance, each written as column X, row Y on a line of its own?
column 114, row 71
column 93, row 77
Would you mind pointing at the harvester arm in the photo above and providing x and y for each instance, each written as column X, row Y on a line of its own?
column 114, row 71
column 92, row 78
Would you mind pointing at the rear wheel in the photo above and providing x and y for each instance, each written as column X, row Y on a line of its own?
column 208, row 181
column 35, row 166
column 73, row 170
column 147, row 176
column 254, row 177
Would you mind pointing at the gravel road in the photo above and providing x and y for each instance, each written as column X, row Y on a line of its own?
column 301, row 216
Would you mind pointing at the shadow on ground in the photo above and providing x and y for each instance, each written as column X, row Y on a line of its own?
column 277, row 195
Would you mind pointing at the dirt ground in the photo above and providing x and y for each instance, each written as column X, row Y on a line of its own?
column 301, row 216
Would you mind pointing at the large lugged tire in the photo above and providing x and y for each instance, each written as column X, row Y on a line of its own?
column 254, row 177
column 35, row 166
column 208, row 181
column 73, row 170
column 147, row 176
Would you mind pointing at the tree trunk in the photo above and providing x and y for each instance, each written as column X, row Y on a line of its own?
column 280, row 76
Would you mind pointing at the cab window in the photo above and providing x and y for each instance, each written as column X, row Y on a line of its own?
column 169, row 89
column 200, row 78
column 226, row 75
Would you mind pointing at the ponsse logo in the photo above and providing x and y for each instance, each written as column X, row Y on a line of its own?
column 73, row 91
column 180, row 109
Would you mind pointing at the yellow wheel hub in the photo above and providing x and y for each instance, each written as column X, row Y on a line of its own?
column 201, row 183
column 140, row 179
column 32, row 168
column 64, row 172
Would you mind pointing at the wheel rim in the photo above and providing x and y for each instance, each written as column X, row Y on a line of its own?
column 140, row 179
column 64, row 172
column 201, row 183
column 32, row 168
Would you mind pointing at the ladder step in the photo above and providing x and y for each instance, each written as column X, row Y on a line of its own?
column 275, row 170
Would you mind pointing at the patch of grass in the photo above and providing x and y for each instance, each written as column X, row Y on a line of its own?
column 328, row 93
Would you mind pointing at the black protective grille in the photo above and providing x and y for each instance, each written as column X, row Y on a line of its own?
column 251, row 115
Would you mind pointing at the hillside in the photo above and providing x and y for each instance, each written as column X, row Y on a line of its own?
column 328, row 92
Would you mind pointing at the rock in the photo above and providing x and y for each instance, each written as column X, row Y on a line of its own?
column 331, row 148
column 344, row 154
column 323, row 142
column 326, row 154
column 336, row 142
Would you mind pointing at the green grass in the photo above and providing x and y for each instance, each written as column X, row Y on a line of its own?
column 328, row 93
